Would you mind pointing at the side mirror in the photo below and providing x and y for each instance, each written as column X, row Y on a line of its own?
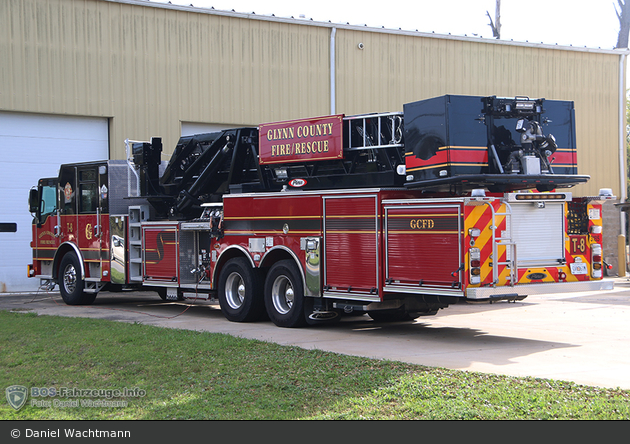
column 33, row 200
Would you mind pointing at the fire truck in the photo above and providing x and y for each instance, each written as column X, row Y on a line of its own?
column 456, row 199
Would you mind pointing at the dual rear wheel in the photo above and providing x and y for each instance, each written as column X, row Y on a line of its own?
column 240, row 291
column 284, row 295
column 244, row 295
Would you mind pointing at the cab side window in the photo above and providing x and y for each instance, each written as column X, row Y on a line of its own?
column 67, row 190
column 88, row 191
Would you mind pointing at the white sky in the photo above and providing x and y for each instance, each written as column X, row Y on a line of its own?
column 590, row 23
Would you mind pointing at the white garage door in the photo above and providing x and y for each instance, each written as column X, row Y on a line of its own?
column 33, row 146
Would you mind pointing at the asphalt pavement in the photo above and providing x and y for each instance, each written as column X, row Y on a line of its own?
column 581, row 337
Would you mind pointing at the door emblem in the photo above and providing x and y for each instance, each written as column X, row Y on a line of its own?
column 67, row 192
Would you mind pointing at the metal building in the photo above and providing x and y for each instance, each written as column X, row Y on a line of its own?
column 79, row 77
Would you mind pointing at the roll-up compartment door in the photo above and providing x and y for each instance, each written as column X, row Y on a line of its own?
column 423, row 245
column 538, row 232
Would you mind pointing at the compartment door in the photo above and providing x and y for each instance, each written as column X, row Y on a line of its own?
column 160, row 253
column 351, row 246
column 423, row 246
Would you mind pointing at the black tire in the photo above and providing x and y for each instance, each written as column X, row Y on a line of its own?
column 284, row 295
column 71, row 284
column 240, row 291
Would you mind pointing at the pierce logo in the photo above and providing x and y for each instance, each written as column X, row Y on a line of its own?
column 16, row 396
column 297, row 183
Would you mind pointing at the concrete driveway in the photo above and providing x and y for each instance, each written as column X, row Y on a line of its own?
column 579, row 337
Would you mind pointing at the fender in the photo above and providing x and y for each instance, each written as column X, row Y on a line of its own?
column 219, row 260
column 57, row 258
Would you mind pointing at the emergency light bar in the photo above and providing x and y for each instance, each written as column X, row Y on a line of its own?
column 516, row 197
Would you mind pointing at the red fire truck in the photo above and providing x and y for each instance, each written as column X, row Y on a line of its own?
column 396, row 215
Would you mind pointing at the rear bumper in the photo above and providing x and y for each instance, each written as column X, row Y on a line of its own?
column 518, row 292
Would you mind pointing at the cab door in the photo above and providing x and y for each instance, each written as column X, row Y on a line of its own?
column 46, row 227
column 67, row 205
column 91, row 203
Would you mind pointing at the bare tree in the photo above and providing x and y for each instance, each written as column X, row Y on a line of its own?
column 496, row 24
column 623, row 14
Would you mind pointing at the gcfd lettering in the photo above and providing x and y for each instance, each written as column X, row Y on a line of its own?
column 422, row 224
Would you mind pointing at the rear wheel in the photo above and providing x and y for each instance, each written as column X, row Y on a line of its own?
column 71, row 284
column 240, row 295
column 284, row 295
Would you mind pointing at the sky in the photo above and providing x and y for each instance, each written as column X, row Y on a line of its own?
column 581, row 23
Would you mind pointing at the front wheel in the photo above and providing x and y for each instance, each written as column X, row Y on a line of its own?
column 240, row 295
column 284, row 295
column 71, row 284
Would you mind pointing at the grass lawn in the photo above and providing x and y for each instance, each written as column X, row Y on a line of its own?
column 179, row 374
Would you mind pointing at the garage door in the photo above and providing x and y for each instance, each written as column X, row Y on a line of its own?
column 33, row 146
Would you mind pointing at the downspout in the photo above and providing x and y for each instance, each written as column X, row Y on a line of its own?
column 333, row 98
column 622, row 128
column 623, row 188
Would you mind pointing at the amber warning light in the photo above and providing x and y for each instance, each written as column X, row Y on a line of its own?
column 513, row 197
column 318, row 138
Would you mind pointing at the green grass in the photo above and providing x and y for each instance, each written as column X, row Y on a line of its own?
column 196, row 375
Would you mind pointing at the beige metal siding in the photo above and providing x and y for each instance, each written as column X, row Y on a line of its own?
column 148, row 67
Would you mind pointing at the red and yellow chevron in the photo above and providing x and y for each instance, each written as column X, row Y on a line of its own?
column 481, row 217
column 578, row 248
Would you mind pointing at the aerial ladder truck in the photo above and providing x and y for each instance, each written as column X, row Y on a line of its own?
column 456, row 199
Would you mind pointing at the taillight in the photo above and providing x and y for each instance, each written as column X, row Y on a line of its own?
column 596, row 260
column 475, row 264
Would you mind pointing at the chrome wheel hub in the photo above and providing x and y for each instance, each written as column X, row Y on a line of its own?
column 70, row 279
column 282, row 295
column 235, row 291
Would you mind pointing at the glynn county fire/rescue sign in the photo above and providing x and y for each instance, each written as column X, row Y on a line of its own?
column 317, row 138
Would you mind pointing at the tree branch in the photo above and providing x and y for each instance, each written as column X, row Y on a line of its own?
column 623, row 14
